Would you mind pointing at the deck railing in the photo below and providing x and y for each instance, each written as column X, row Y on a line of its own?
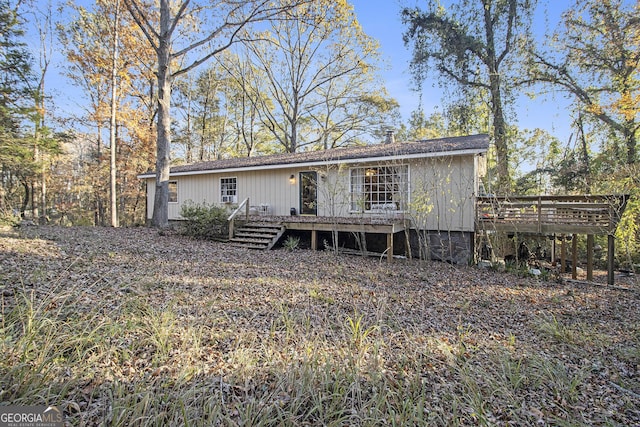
column 232, row 217
column 551, row 214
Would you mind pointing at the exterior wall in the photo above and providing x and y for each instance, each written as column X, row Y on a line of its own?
column 442, row 191
column 268, row 187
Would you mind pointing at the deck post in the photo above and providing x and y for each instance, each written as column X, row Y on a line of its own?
column 610, row 257
column 563, row 254
column 390, row 247
column 539, row 214
column 314, row 240
column 574, row 257
column 590, row 257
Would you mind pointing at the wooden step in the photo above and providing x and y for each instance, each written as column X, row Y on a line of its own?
column 247, row 245
column 242, row 233
column 250, row 240
column 257, row 235
column 261, row 227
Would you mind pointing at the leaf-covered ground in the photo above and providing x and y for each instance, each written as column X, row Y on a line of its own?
column 129, row 327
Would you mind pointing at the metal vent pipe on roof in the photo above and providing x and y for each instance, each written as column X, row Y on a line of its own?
column 391, row 138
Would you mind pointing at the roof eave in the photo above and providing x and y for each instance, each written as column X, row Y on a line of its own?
column 465, row 152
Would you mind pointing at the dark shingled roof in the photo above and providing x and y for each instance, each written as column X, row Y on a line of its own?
column 440, row 145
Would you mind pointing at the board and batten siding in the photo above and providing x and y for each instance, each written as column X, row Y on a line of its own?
column 268, row 187
column 443, row 187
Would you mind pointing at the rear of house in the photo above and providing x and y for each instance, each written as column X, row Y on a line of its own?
column 432, row 184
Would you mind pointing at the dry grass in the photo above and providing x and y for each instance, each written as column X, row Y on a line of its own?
column 126, row 327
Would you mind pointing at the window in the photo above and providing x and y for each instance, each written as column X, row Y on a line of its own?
column 173, row 191
column 228, row 190
column 379, row 188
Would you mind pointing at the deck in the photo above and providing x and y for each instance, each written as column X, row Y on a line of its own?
column 376, row 224
column 556, row 216
column 387, row 223
column 591, row 215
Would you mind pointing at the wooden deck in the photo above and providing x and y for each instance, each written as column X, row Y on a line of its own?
column 556, row 216
column 597, row 215
column 314, row 224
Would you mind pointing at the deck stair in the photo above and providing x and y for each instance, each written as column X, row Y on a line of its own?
column 257, row 235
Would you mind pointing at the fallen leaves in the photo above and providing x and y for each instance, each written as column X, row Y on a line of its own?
column 147, row 319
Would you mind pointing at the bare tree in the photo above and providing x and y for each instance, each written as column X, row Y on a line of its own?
column 114, row 114
column 185, row 34
column 319, row 78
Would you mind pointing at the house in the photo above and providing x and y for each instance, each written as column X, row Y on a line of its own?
column 428, row 187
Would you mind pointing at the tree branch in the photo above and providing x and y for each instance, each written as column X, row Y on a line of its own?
column 143, row 23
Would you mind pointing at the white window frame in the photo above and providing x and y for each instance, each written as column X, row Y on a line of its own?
column 379, row 188
column 228, row 195
column 170, row 183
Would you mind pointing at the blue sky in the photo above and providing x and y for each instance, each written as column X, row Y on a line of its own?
column 380, row 19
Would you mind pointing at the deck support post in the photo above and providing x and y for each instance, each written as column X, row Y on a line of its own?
column 590, row 241
column 314, row 240
column 563, row 254
column 574, row 257
column 390, row 247
column 610, row 257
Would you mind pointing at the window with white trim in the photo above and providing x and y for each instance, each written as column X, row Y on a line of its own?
column 228, row 190
column 173, row 191
column 379, row 188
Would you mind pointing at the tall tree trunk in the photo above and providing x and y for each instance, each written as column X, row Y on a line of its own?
column 160, row 217
column 34, row 205
column 203, row 127
column 25, row 200
column 44, row 31
column 585, row 156
column 631, row 142
column 499, row 124
column 500, row 137
column 43, row 169
column 113, row 124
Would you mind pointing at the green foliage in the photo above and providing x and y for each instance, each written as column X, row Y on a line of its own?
column 7, row 218
column 204, row 221
column 470, row 44
column 628, row 231
column 520, row 269
column 291, row 243
column 15, row 63
column 599, row 66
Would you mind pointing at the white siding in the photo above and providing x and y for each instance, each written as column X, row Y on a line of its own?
column 271, row 187
column 441, row 191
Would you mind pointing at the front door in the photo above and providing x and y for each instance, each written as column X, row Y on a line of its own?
column 309, row 193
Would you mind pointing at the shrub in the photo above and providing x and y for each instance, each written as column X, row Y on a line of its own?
column 8, row 218
column 203, row 221
column 291, row 243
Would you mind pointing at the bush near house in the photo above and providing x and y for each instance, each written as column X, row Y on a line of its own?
column 204, row 221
